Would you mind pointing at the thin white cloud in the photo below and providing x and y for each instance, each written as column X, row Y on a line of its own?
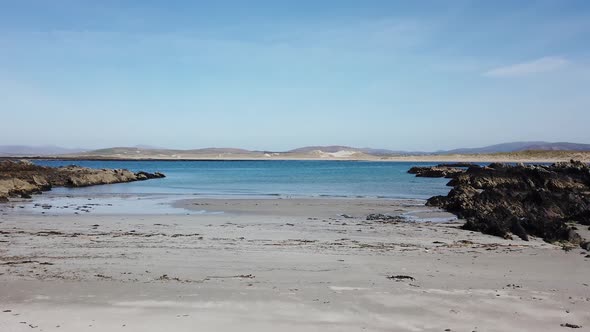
column 541, row 65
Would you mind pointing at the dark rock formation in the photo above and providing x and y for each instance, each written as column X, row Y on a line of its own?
column 435, row 171
column 460, row 164
column 523, row 200
column 23, row 178
column 141, row 175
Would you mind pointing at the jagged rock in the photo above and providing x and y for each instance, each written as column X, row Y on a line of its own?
column 84, row 177
column 435, row 171
column 15, row 186
column 523, row 200
column 141, row 177
column 23, row 178
column 460, row 164
column 145, row 175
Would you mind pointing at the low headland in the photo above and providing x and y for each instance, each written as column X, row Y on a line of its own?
column 22, row 178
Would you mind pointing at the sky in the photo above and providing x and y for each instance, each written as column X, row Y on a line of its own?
column 276, row 75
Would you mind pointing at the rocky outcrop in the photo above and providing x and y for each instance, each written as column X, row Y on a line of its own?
column 141, row 175
column 458, row 164
column 435, row 171
column 23, row 178
column 543, row 201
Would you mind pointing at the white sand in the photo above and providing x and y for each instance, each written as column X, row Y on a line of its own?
column 280, row 265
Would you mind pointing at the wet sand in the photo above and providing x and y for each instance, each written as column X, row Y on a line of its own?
column 281, row 264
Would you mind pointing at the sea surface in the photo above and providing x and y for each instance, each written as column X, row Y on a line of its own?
column 264, row 179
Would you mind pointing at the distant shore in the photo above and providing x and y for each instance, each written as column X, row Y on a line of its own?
column 509, row 157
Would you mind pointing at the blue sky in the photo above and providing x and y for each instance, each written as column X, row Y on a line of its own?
column 274, row 75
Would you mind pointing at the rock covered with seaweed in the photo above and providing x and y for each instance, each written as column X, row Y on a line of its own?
column 538, row 200
column 439, row 171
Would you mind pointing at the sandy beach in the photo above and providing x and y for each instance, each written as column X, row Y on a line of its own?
column 280, row 264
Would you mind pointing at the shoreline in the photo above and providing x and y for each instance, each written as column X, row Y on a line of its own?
column 414, row 209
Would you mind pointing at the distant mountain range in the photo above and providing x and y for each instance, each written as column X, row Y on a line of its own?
column 308, row 152
column 497, row 148
column 521, row 146
column 45, row 150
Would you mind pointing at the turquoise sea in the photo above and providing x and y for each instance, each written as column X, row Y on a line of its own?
column 266, row 178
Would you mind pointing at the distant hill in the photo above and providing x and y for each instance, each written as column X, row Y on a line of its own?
column 45, row 150
column 307, row 152
column 337, row 148
column 497, row 148
column 218, row 150
column 329, row 149
column 521, row 146
column 563, row 146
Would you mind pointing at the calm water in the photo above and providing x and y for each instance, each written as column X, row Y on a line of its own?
column 267, row 178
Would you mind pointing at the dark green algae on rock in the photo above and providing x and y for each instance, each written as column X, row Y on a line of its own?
column 545, row 201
